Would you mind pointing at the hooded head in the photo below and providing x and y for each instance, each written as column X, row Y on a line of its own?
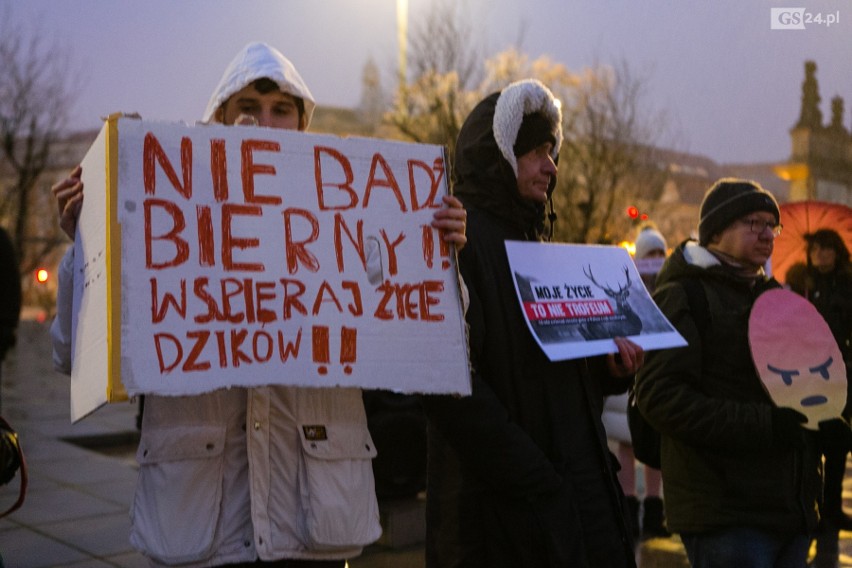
column 526, row 115
column 730, row 199
column 260, row 61
column 500, row 128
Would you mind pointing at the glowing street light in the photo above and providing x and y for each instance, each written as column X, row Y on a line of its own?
column 402, row 38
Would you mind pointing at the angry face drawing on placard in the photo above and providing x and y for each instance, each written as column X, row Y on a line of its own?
column 796, row 356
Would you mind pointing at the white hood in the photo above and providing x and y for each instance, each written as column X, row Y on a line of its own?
column 256, row 61
column 517, row 100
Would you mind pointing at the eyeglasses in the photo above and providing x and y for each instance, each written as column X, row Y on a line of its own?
column 757, row 226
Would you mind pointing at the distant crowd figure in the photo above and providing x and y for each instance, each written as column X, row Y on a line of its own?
column 825, row 279
column 646, row 515
column 10, row 292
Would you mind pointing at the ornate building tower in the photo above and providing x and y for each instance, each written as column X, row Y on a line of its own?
column 820, row 166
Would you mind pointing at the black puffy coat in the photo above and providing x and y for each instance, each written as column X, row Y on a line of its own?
column 831, row 295
column 519, row 472
column 721, row 465
column 10, row 292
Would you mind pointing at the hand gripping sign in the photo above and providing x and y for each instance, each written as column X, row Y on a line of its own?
column 796, row 356
column 577, row 298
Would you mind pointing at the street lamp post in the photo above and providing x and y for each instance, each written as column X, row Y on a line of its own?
column 402, row 38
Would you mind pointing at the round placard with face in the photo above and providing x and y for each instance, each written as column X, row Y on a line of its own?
column 796, row 356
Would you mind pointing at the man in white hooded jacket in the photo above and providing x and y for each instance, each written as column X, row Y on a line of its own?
column 238, row 475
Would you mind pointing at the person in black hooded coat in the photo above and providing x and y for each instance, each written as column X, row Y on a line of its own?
column 519, row 473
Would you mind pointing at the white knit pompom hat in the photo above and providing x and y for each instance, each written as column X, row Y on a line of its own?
column 518, row 99
column 648, row 240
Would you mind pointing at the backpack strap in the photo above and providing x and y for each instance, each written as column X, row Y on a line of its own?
column 646, row 440
column 699, row 307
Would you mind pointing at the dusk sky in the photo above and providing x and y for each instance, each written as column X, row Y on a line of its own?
column 730, row 85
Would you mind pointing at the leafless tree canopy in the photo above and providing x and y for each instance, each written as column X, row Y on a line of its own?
column 442, row 42
column 443, row 64
column 607, row 160
column 36, row 90
column 373, row 102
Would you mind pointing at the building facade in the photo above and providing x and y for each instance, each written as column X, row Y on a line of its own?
column 820, row 164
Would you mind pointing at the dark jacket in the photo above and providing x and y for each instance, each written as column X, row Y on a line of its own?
column 519, row 472
column 831, row 295
column 721, row 466
column 10, row 292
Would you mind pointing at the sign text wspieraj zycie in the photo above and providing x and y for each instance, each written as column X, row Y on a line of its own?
column 254, row 256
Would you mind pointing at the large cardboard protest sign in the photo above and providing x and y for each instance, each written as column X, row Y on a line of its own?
column 213, row 256
column 577, row 298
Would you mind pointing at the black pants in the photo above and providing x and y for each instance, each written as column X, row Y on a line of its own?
column 835, row 470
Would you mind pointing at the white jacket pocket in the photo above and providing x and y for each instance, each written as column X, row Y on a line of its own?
column 179, row 492
column 336, row 486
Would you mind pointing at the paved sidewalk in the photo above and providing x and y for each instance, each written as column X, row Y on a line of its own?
column 76, row 512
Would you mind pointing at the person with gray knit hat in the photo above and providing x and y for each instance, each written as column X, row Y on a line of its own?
column 741, row 474
column 728, row 200
column 519, row 474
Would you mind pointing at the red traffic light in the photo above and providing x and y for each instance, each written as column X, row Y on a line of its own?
column 42, row 275
column 633, row 212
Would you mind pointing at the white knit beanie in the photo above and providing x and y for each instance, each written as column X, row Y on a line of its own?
column 648, row 240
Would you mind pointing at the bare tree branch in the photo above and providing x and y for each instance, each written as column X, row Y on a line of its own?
column 443, row 64
column 37, row 85
column 606, row 161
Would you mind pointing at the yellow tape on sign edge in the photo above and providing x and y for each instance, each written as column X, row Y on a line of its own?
column 115, row 388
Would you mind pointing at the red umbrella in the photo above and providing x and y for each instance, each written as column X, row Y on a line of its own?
column 802, row 218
